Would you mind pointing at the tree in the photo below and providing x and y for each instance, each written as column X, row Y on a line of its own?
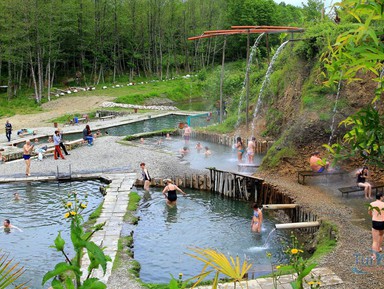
column 360, row 50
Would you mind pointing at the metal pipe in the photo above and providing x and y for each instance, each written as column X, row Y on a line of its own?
column 297, row 225
column 280, row 206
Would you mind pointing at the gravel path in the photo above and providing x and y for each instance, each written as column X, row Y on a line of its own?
column 354, row 239
column 106, row 155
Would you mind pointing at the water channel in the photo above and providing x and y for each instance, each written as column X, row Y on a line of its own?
column 201, row 219
column 40, row 215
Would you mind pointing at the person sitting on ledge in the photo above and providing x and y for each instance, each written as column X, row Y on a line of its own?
column 317, row 164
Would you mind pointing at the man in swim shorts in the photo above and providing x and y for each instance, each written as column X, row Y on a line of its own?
column 316, row 163
column 187, row 133
column 376, row 212
column 27, row 149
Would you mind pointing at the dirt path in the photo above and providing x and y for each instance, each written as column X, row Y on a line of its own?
column 54, row 109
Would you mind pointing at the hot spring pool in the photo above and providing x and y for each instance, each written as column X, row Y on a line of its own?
column 39, row 213
column 200, row 219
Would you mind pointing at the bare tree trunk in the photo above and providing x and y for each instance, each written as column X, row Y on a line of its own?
column 9, row 88
column 49, row 79
column 34, row 78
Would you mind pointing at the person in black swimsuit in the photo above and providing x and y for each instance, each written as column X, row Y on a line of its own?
column 146, row 177
column 362, row 176
column 170, row 192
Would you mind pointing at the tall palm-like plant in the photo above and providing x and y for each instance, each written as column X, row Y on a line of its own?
column 219, row 264
column 10, row 272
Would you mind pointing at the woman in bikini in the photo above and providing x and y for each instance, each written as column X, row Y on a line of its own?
column 240, row 149
column 257, row 219
column 170, row 193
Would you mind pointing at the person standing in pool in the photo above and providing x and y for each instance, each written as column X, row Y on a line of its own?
column 257, row 219
column 27, row 149
column 146, row 177
column 240, row 149
column 251, row 150
column 187, row 133
column 170, row 192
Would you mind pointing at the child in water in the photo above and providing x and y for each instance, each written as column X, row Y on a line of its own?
column 257, row 219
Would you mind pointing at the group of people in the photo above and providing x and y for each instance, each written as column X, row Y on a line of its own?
column 319, row 165
column 21, row 132
column 170, row 190
column 250, row 149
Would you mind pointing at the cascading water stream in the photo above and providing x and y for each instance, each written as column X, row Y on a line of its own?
column 269, row 235
column 334, row 112
column 253, row 50
column 265, row 82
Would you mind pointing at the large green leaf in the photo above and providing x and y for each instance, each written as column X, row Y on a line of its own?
column 93, row 283
column 59, row 243
column 59, row 269
column 96, row 256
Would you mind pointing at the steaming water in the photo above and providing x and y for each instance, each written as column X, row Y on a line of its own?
column 201, row 219
column 222, row 157
column 265, row 82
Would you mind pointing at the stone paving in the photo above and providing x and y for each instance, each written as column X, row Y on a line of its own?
column 328, row 280
column 114, row 209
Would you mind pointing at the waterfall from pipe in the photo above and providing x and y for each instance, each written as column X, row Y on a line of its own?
column 334, row 113
column 248, row 69
column 269, row 235
column 265, row 82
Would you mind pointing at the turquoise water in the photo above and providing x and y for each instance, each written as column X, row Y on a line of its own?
column 39, row 213
column 204, row 220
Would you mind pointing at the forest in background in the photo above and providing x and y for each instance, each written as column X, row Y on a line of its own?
column 46, row 43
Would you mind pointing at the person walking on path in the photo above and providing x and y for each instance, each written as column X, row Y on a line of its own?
column 8, row 130
column 62, row 145
column 170, row 192
column 27, row 149
column 146, row 177
column 362, row 176
column 376, row 211
column 56, row 142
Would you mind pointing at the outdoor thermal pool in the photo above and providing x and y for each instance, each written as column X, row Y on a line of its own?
column 201, row 219
column 222, row 157
column 40, row 214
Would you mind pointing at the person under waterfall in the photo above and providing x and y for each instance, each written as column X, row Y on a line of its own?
column 257, row 219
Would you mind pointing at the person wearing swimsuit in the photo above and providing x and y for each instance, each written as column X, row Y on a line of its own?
column 376, row 212
column 362, row 176
column 27, row 150
column 257, row 219
column 240, row 149
column 170, row 192
column 146, row 177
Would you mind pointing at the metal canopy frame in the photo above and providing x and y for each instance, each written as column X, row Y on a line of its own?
column 247, row 30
